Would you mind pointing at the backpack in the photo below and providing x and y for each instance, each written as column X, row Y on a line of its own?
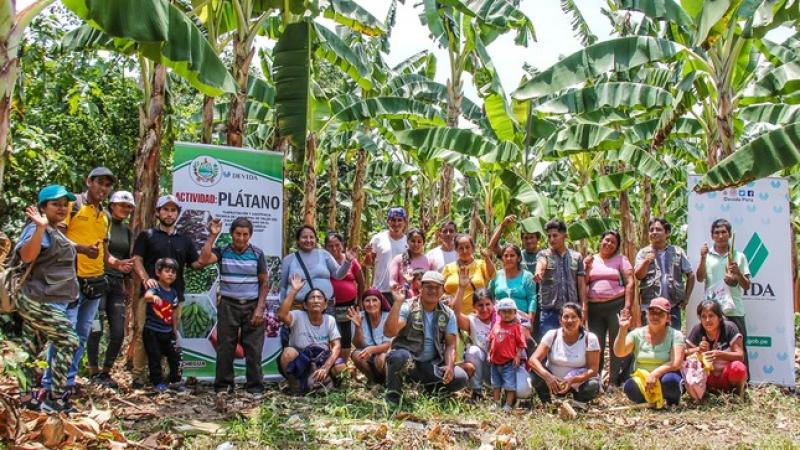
column 12, row 277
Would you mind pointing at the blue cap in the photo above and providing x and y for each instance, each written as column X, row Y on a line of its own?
column 54, row 192
column 396, row 212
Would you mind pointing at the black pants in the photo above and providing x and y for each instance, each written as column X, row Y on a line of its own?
column 604, row 323
column 586, row 391
column 233, row 321
column 740, row 324
column 400, row 366
column 344, row 324
column 112, row 306
column 156, row 345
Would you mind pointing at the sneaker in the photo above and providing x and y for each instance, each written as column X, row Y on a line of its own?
column 224, row 389
column 57, row 405
column 177, row 387
column 136, row 384
column 160, row 388
column 255, row 390
column 507, row 408
column 104, row 379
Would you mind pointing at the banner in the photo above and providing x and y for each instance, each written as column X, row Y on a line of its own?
column 759, row 214
column 226, row 182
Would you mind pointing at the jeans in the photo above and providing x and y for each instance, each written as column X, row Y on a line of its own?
column 603, row 322
column 549, row 319
column 158, row 344
column 233, row 321
column 81, row 318
column 670, row 389
column 112, row 306
column 504, row 376
column 587, row 391
column 401, row 366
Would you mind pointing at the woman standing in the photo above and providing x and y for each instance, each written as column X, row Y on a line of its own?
column 112, row 305
column 609, row 277
column 50, row 287
column 346, row 291
column 480, row 271
column 514, row 283
column 573, row 359
column 313, row 265
column 720, row 343
column 657, row 350
column 402, row 267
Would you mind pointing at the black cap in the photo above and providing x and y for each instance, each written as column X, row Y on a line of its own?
column 102, row 172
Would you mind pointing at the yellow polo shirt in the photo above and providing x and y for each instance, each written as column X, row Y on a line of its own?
column 88, row 226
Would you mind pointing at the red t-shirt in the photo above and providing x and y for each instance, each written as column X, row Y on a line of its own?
column 346, row 290
column 504, row 340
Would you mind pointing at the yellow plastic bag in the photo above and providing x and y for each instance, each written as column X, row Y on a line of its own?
column 654, row 396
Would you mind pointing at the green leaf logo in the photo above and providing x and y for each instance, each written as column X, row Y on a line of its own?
column 756, row 253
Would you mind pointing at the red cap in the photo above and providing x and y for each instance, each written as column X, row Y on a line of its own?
column 660, row 303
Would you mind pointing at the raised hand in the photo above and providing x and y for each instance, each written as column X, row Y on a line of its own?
column 704, row 250
column 296, row 282
column 463, row 277
column 508, row 220
column 624, row 318
column 39, row 219
column 215, row 226
column 350, row 255
column 354, row 316
column 486, row 254
column 398, row 293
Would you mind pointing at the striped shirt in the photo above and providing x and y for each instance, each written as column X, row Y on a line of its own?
column 238, row 272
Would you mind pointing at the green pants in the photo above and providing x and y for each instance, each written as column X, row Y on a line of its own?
column 50, row 320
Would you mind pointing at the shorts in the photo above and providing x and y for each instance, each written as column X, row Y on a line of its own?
column 504, row 376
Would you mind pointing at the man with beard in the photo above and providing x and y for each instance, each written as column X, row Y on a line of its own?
column 161, row 241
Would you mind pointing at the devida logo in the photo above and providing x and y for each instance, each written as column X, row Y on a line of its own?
column 205, row 171
column 756, row 253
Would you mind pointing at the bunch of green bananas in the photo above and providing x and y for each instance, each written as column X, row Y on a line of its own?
column 195, row 321
column 199, row 281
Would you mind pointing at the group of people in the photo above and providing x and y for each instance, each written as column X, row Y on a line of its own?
column 449, row 319
column 81, row 258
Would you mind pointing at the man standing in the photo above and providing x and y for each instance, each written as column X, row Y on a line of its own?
column 661, row 269
column 726, row 273
column 445, row 253
column 243, row 286
column 87, row 226
column 560, row 274
column 528, row 238
column 384, row 246
column 424, row 345
column 161, row 241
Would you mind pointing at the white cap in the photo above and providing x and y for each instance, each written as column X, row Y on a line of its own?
column 164, row 199
column 122, row 197
column 506, row 304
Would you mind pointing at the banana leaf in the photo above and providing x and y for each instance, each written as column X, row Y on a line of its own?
column 391, row 108
column 458, row 140
column 353, row 16
column 774, row 113
column 666, row 10
column 593, row 226
column 613, row 94
column 291, row 74
column 337, row 52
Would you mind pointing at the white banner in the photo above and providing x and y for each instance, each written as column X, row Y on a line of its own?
column 759, row 214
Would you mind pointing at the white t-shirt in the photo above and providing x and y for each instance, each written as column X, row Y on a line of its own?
column 440, row 258
column 304, row 333
column 478, row 331
column 562, row 357
column 374, row 336
column 385, row 249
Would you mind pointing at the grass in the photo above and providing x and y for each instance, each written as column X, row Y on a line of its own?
column 769, row 417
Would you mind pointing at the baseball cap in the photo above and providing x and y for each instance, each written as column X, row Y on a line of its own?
column 433, row 276
column 396, row 212
column 506, row 304
column 122, row 197
column 54, row 192
column 102, row 172
column 660, row 303
column 164, row 199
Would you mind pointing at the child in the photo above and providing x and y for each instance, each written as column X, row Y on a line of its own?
column 506, row 344
column 161, row 325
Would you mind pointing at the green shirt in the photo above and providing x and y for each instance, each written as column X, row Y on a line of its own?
column 649, row 356
column 715, row 271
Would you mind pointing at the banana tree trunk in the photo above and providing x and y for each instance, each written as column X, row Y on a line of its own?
column 334, row 176
column 722, row 144
column 310, row 183
column 148, row 153
column 359, row 199
column 8, row 76
column 409, row 186
column 243, row 55
column 628, row 246
column 208, row 120
column 454, row 97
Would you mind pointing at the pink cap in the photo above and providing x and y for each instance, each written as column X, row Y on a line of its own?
column 660, row 303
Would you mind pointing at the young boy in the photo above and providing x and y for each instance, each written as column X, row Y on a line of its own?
column 506, row 344
column 161, row 325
